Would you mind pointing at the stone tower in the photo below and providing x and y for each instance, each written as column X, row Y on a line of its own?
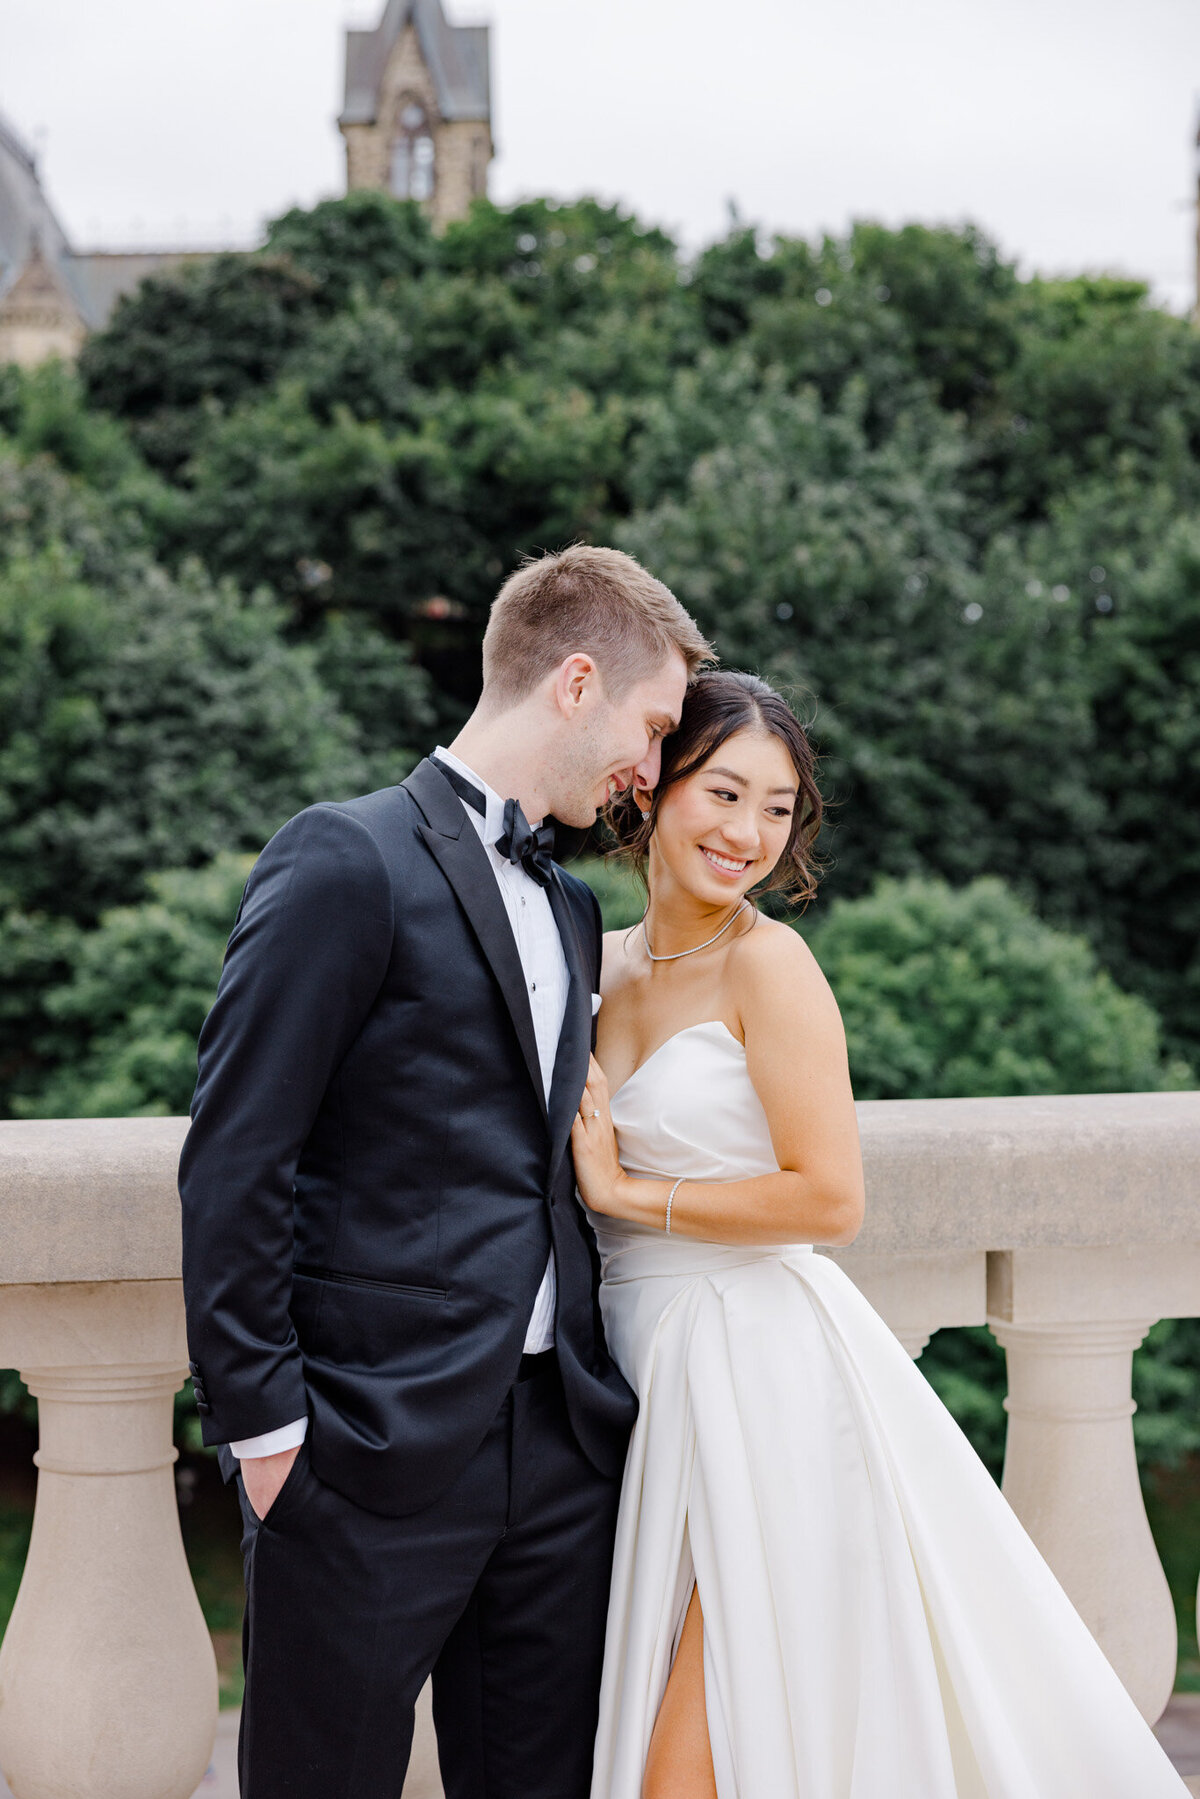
column 417, row 113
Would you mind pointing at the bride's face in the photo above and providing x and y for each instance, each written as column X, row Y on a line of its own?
column 722, row 829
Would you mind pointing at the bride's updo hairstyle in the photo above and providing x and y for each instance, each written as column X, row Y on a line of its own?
column 719, row 703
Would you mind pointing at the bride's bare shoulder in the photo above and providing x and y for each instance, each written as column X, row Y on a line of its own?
column 774, row 959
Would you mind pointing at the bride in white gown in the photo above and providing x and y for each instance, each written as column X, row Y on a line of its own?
column 818, row 1590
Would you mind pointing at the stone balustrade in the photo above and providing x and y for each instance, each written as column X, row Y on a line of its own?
column 1069, row 1225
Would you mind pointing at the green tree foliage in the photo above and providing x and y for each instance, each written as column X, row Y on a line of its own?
column 950, row 994
column 955, row 510
column 202, row 336
column 1146, row 661
column 148, row 718
column 1166, row 1389
column 965, row 1368
column 355, row 245
column 148, row 724
column 1100, row 378
column 622, row 896
column 135, row 994
column 377, row 685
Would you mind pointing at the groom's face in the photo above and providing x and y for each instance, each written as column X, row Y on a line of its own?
column 619, row 743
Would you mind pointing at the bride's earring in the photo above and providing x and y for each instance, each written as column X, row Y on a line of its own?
column 643, row 799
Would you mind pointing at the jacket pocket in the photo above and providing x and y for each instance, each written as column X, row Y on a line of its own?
column 357, row 1324
column 365, row 1280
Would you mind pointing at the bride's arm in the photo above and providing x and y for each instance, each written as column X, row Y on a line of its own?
column 796, row 1055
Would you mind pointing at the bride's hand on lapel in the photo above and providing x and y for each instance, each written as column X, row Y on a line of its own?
column 598, row 1173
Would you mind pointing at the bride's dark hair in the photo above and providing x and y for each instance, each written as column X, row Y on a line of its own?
column 718, row 703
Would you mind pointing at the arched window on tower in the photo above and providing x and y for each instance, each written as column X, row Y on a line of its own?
column 412, row 170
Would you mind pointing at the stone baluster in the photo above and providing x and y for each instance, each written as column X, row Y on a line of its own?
column 108, row 1684
column 1069, row 1321
column 917, row 1295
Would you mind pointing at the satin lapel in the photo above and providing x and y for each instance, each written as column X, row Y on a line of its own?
column 460, row 855
column 571, row 1062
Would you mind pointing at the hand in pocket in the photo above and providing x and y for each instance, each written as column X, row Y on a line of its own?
column 263, row 1477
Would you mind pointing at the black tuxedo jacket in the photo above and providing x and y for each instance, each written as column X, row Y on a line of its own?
column 372, row 1180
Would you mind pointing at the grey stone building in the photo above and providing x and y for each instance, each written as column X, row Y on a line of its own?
column 50, row 295
column 417, row 124
column 417, row 112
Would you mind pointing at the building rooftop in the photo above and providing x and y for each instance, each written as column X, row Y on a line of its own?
column 457, row 57
column 28, row 222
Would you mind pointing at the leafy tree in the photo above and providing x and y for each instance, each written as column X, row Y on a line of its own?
column 955, row 994
column 355, row 245
column 374, row 681
column 965, row 1367
column 882, row 467
column 138, row 989
column 1145, row 657
column 151, row 723
column 37, row 953
column 621, row 895
column 50, row 417
column 956, row 296
column 208, row 332
column 840, row 569
column 1122, row 388
column 1166, row 1389
column 11, row 396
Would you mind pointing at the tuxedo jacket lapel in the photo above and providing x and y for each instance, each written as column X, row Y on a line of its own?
column 456, row 847
column 571, row 1063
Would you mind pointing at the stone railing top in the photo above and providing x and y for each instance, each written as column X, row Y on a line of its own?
column 94, row 1199
column 89, row 1199
column 1091, row 1168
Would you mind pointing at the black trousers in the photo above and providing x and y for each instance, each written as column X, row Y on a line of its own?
column 500, row 1589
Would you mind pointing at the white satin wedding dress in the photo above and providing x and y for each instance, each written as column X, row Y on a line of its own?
column 877, row 1625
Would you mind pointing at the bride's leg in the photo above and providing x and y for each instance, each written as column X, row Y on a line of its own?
column 679, row 1765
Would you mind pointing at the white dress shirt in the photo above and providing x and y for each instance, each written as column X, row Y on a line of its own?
column 544, row 965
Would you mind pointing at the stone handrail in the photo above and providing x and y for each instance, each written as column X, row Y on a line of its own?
column 1068, row 1224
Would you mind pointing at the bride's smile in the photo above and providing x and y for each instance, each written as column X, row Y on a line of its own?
column 719, row 831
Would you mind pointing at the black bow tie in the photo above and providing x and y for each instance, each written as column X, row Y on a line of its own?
column 534, row 850
column 518, row 842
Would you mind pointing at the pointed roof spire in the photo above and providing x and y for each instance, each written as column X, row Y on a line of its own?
column 457, row 57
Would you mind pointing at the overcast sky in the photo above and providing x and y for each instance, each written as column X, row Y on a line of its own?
column 1064, row 127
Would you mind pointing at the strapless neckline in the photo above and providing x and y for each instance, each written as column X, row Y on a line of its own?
column 690, row 1109
column 705, row 1024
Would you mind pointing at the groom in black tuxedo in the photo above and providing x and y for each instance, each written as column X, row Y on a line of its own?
column 391, row 1291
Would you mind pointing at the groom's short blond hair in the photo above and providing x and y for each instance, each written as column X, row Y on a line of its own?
column 584, row 600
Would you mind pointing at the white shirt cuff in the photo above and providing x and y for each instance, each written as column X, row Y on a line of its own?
column 288, row 1436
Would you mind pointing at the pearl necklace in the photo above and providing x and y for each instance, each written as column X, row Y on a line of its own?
column 698, row 947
